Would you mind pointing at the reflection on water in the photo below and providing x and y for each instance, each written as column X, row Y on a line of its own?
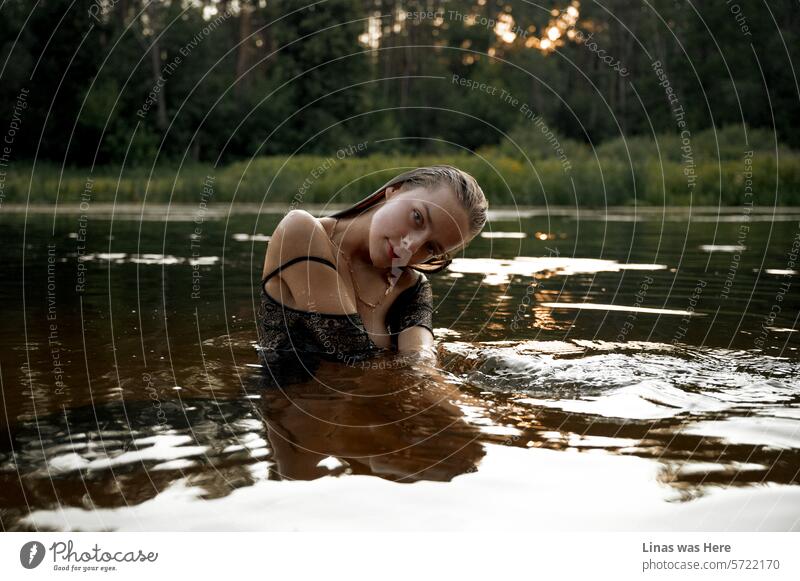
column 502, row 234
column 708, row 418
column 498, row 271
column 581, row 384
column 625, row 308
column 162, row 259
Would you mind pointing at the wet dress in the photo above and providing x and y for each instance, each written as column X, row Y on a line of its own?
column 291, row 342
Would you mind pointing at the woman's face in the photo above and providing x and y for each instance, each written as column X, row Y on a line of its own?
column 418, row 221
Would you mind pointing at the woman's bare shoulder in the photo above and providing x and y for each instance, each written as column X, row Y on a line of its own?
column 300, row 234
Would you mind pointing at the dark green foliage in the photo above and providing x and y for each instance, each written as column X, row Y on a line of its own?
column 170, row 82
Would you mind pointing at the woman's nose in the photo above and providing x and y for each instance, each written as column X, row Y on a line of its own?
column 417, row 240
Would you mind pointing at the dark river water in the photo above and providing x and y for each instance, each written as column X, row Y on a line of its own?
column 598, row 370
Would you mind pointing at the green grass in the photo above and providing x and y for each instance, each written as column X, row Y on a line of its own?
column 620, row 172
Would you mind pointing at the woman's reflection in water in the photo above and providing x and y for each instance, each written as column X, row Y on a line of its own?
column 394, row 417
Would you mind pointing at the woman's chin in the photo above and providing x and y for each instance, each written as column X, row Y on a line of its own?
column 379, row 262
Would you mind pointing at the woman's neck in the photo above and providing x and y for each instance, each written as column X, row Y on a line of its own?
column 351, row 236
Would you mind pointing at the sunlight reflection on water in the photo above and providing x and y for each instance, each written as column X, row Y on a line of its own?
column 555, row 424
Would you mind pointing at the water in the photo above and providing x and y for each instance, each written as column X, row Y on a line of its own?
column 597, row 370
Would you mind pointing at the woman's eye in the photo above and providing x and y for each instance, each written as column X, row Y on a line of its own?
column 417, row 217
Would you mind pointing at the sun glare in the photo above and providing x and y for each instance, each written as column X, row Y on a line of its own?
column 505, row 28
column 560, row 26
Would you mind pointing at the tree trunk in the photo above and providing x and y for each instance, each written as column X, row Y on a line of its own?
column 155, row 69
column 243, row 52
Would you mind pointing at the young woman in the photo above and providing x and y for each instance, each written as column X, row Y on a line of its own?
column 351, row 285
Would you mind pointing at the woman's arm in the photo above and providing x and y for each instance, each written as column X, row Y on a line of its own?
column 416, row 339
column 411, row 317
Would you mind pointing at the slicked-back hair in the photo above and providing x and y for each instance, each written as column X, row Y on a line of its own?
column 469, row 194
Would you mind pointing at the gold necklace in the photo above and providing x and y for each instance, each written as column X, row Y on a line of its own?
column 372, row 306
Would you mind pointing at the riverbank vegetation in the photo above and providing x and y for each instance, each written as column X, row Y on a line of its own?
column 544, row 103
column 710, row 168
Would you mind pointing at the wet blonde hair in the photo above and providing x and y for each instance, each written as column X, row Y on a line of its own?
column 466, row 189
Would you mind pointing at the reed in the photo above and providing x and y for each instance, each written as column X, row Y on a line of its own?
column 594, row 178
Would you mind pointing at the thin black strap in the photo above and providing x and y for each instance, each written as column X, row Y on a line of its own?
column 297, row 259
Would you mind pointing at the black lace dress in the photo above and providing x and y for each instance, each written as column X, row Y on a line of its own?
column 291, row 342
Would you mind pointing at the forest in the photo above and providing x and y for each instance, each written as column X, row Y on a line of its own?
column 652, row 101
